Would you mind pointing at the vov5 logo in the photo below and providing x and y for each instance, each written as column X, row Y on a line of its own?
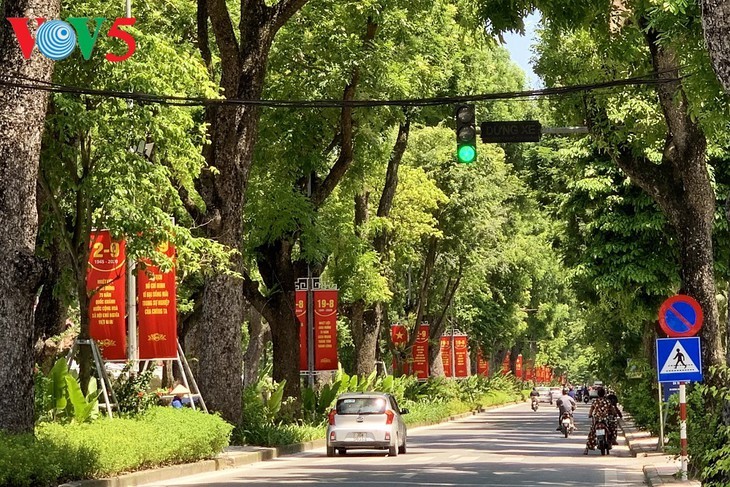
column 57, row 39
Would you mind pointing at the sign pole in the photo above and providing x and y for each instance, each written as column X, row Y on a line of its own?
column 683, row 427
column 660, row 445
column 452, row 351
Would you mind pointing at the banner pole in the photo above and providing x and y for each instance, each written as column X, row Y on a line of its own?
column 683, row 427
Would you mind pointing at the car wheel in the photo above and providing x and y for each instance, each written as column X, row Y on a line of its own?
column 402, row 448
column 341, row 451
column 330, row 451
column 393, row 450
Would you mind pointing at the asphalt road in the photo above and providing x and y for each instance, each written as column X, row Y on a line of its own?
column 505, row 447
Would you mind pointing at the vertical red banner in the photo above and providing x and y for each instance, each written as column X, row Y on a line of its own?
column 482, row 365
column 446, row 354
column 157, row 310
column 106, row 280
column 461, row 355
column 420, row 353
column 505, row 364
column 399, row 338
column 518, row 367
column 300, row 299
column 325, row 329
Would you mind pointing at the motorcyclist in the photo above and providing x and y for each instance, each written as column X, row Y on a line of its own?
column 534, row 395
column 566, row 404
column 613, row 416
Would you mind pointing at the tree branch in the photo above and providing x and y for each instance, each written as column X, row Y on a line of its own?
column 255, row 298
column 284, row 10
column 203, row 37
column 344, row 161
column 391, row 176
column 225, row 37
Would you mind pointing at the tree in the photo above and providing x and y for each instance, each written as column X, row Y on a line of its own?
column 716, row 23
column 667, row 156
column 90, row 179
column 22, row 113
column 234, row 133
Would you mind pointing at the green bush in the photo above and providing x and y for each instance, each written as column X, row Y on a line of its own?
column 429, row 402
column 708, row 438
column 62, row 452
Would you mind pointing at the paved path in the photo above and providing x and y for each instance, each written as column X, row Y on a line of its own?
column 510, row 446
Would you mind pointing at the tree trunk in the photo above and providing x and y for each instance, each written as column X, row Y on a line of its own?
column 716, row 24
column 259, row 335
column 234, row 135
column 681, row 187
column 279, row 275
column 22, row 116
column 366, row 351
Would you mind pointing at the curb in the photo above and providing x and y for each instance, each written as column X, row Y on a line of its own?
column 235, row 456
column 652, row 475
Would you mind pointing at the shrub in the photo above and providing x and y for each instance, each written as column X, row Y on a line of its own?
column 133, row 391
column 61, row 452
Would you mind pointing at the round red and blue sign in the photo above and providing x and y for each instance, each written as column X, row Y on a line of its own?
column 681, row 316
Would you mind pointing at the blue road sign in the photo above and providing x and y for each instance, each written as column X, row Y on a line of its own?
column 679, row 359
column 669, row 388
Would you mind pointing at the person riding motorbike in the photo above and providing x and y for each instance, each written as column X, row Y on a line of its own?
column 601, row 409
column 535, row 397
column 566, row 404
column 613, row 416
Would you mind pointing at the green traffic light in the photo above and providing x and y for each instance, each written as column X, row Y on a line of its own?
column 466, row 154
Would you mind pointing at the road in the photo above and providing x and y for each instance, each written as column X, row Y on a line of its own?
column 504, row 447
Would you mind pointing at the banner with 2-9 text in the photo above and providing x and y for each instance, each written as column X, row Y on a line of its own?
column 106, row 285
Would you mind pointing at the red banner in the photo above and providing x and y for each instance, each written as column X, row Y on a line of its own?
column 325, row 329
column 420, row 353
column 157, row 321
column 529, row 370
column 482, row 365
column 505, row 364
column 399, row 337
column 518, row 367
column 461, row 355
column 106, row 284
column 301, row 312
column 446, row 354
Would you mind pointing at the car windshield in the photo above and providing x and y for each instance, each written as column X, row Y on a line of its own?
column 361, row 405
column 543, row 390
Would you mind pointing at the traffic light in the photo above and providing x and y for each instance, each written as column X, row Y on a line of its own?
column 466, row 134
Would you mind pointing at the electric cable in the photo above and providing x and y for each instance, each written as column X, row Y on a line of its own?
column 23, row 82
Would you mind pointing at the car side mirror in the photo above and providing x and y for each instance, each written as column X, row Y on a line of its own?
column 404, row 411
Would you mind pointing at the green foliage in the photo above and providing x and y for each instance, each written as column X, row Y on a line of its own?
column 107, row 447
column 428, row 402
column 59, row 396
column 133, row 391
column 708, row 438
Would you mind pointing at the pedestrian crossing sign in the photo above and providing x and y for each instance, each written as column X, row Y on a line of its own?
column 679, row 359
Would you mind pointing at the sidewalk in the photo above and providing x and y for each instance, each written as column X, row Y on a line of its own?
column 659, row 468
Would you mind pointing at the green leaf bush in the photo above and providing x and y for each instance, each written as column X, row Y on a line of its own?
column 429, row 402
column 106, row 447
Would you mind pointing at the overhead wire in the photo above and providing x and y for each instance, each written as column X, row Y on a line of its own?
column 24, row 82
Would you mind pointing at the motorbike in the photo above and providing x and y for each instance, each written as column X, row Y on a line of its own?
column 603, row 438
column 535, row 404
column 566, row 424
column 586, row 398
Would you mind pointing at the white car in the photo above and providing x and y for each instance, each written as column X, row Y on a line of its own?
column 366, row 421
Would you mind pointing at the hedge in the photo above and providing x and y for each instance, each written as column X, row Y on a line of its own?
column 107, row 447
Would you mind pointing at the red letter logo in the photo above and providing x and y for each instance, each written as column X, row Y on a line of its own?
column 22, row 33
column 125, row 37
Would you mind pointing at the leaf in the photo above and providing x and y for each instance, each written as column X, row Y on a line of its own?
column 57, row 385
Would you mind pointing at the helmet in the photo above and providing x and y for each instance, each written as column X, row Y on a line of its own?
column 565, row 390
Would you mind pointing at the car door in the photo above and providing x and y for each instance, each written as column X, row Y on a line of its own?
column 402, row 430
